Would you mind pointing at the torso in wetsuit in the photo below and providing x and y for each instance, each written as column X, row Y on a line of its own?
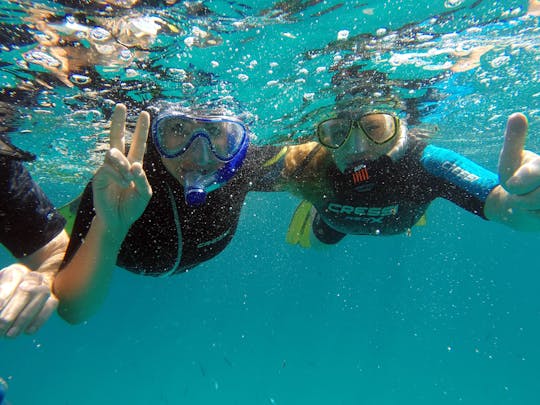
column 384, row 197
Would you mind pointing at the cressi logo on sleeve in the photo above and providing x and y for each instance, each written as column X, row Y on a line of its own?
column 460, row 172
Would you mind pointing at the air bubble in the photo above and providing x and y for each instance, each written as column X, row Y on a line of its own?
column 80, row 79
column 100, row 34
column 500, row 61
column 453, row 3
column 342, row 35
column 125, row 54
column 41, row 58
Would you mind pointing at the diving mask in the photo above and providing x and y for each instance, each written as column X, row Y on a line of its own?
column 227, row 138
column 174, row 132
column 378, row 127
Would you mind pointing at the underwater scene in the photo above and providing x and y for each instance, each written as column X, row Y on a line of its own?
column 446, row 313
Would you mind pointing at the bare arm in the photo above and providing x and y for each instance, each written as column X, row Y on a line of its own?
column 49, row 257
column 83, row 284
column 121, row 192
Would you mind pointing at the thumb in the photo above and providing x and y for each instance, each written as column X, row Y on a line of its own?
column 511, row 155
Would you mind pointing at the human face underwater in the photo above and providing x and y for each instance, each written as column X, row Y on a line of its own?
column 356, row 138
column 201, row 152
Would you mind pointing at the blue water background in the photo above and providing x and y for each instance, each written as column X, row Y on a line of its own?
column 448, row 315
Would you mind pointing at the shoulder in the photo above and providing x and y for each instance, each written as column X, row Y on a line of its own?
column 8, row 169
column 309, row 157
column 260, row 159
column 263, row 153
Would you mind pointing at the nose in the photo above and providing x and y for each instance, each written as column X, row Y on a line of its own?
column 357, row 142
column 199, row 152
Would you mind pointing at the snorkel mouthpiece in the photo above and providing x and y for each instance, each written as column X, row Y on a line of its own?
column 195, row 196
column 194, row 189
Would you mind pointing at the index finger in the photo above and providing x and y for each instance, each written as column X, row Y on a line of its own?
column 511, row 155
column 118, row 123
column 138, row 142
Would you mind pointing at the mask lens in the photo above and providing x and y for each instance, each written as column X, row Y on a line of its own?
column 225, row 137
column 171, row 136
column 333, row 132
column 380, row 128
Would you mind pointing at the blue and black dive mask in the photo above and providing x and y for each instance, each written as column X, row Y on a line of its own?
column 227, row 138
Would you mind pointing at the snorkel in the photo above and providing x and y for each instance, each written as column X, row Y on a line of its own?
column 198, row 183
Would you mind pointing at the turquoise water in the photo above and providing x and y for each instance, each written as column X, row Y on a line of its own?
column 448, row 315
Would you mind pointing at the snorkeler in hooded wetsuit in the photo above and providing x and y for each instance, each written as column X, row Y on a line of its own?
column 196, row 201
column 186, row 201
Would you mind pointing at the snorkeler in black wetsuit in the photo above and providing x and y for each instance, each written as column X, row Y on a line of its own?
column 181, row 210
column 172, row 236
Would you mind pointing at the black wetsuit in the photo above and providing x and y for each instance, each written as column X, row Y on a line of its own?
column 172, row 237
column 384, row 197
column 28, row 220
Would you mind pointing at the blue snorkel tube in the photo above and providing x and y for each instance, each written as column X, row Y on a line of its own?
column 197, row 186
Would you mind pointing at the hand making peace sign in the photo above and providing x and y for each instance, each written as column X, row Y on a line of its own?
column 121, row 189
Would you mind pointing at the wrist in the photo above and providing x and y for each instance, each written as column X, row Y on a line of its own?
column 495, row 206
column 110, row 236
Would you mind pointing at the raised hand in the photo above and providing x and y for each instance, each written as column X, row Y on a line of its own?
column 121, row 189
column 517, row 202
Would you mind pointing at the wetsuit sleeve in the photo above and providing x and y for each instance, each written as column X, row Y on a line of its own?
column 81, row 226
column 264, row 166
column 459, row 179
column 28, row 220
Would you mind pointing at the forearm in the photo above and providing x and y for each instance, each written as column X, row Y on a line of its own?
column 83, row 283
column 49, row 258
